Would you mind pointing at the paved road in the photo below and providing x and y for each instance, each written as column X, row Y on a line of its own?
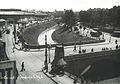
column 34, row 59
column 48, row 32
column 109, row 43
column 33, row 63
column 97, row 47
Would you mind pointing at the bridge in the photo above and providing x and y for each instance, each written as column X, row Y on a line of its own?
column 20, row 14
column 94, row 66
column 14, row 16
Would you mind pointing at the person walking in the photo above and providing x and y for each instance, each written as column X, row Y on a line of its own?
column 79, row 48
column 115, row 41
column 22, row 67
column 117, row 46
column 74, row 47
column 92, row 50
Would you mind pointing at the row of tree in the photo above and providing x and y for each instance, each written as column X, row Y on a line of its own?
column 92, row 18
column 101, row 17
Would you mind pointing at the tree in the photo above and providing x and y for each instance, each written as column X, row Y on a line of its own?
column 69, row 19
column 114, row 14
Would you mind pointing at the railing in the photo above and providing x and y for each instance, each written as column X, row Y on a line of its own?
column 93, row 55
column 31, row 46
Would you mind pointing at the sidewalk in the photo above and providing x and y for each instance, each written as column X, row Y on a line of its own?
column 60, row 79
column 34, row 61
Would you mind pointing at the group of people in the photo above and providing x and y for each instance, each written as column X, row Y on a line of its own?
column 18, row 39
column 83, row 50
column 92, row 50
column 117, row 46
column 106, row 48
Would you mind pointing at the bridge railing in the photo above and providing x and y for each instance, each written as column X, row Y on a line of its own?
column 92, row 55
column 31, row 46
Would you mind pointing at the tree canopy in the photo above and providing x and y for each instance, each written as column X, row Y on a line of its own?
column 69, row 19
column 98, row 17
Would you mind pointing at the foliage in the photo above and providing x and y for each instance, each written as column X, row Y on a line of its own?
column 69, row 19
column 98, row 17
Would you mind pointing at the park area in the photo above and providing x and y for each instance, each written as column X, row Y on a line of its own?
column 67, row 36
column 31, row 33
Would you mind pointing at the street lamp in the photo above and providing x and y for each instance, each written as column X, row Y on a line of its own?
column 110, row 39
column 14, row 32
column 45, row 62
column 80, row 47
column 49, row 51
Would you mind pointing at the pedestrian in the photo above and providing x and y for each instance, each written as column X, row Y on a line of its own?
column 92, row 50
column 22, row 67
column 74, row 47
column 107, row 48
column 103, row 36
column 79, row 51
column 82, row 50
column 115, row 41
column 116, row 46
column 102, row 49
column 85, row 50
column 110, row 48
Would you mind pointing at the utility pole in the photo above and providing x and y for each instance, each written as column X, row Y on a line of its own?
column 49, row 51
column 14, row 32
column 80, row 47
column 110, row 39
column 45, row 62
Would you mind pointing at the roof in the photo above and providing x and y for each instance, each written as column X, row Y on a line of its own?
column 21, row 13
column 14, row 13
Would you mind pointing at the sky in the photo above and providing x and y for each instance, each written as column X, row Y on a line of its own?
column 51, row 5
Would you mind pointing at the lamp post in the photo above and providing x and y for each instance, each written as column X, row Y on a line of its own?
column 110, row 39
column 14, row 32
column 49, row 51
column 45, row 62
column 80, row 47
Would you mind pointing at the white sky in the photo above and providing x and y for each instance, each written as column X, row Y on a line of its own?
column 51, row 5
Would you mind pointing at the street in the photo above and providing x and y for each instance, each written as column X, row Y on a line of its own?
column 34, row 59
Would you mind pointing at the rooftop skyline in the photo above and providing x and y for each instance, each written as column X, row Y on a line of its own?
column 51, row 5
